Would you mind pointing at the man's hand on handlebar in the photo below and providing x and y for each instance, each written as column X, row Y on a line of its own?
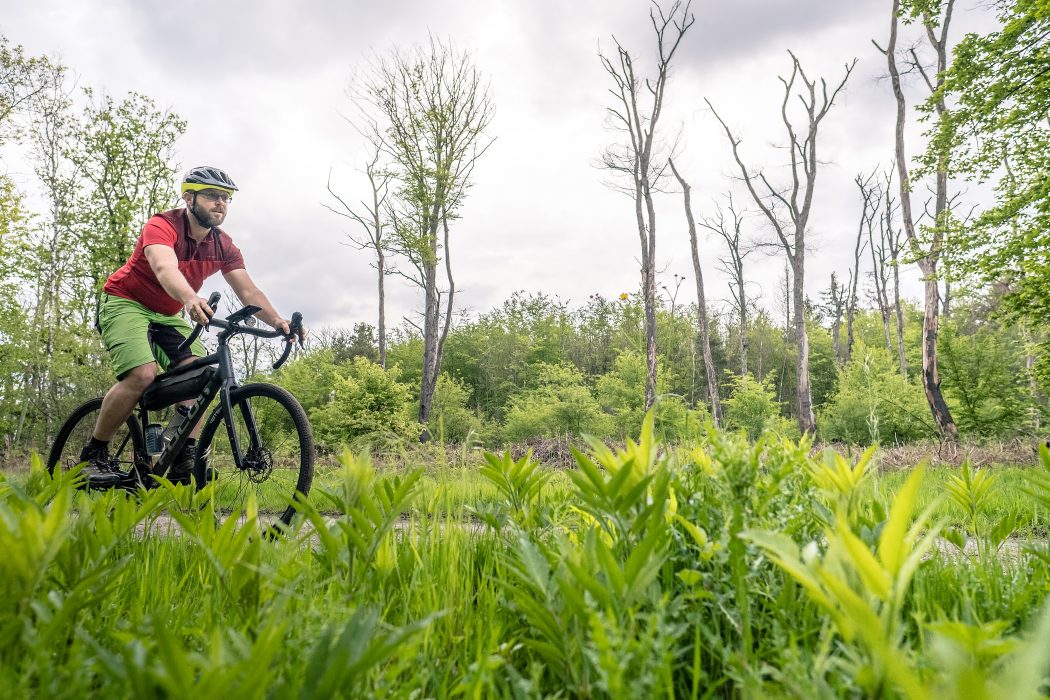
column 197, row 309
column 290, row 334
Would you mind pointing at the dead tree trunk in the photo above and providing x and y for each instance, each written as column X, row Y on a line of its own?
column 636, row 160
column 878, row 250
column 797, row 200
column 894, row 244
column 730, row 230
column 858, row 250
column 926, row 258
column 836, row 304
column 705, row 334
column 372, row 220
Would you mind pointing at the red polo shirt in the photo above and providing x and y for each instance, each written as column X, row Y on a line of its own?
column 197, row 261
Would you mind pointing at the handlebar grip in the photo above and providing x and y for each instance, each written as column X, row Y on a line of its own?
column 295, row 328
column 213, row 302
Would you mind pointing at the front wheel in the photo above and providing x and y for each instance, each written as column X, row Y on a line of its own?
column 277, row 448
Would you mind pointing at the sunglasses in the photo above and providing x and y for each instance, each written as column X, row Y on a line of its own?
column 223, row 197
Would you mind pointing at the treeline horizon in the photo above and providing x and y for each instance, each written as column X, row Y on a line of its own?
column 536, row 366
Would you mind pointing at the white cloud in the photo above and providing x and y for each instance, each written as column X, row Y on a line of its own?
column 263, row 87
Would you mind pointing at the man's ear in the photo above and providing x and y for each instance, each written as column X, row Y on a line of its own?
column 187, row 197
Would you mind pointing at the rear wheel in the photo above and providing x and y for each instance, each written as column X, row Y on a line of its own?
column 277, row 446
column 125, row 447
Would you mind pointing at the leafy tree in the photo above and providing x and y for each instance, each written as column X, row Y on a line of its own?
column 452, row 420
column 22, row 80
column 983, row 364
column 753, row 408
column 621, row 393
column 432, row 110
column 311, row 378
column 874, row 403
column 998, row 133
column 557, row 404
column 366, row 401
column 125, row 152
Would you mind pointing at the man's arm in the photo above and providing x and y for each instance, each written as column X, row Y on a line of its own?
column 165, row 265
column 245, row 289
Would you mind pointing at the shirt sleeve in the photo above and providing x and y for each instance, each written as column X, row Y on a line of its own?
column 234, row 260
column 157, row 231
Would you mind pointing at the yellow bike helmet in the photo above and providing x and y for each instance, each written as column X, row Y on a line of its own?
column 205, row 177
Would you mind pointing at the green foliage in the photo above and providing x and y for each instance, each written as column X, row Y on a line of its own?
column 874, row 403
column 450, row 417
column 558, row 403
column 997, row 132
column 125, row 152
column 621, row 393
column 366, row 400
column 984, row 377
column 717, row 565
column 753, row 408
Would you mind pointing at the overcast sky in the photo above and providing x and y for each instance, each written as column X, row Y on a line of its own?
column 263, row 85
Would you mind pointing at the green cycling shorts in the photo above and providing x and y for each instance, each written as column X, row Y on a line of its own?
column 136, row 336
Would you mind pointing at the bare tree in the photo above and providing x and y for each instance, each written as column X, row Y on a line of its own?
column 869, row 208
column 370, row 215
column 433, row 110
column 788, row 209
column 729, row 229
column 635, row 160
column 894, row 245
column 936, row 28
column 836, row 296
column 880, row 278
column 701, row 303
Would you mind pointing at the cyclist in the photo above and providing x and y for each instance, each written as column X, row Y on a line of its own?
column 139, row 311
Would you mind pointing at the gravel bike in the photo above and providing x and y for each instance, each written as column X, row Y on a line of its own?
column 257, row 439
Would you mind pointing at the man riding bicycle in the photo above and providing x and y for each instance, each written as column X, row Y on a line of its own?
column 139, row 310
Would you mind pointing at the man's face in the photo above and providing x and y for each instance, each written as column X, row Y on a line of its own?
column 208, row 206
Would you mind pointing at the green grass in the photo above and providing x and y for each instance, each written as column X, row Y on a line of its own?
column 713, row 569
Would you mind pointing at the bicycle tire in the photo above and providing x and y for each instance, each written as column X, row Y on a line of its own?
column 285, row 456
column 126, row 447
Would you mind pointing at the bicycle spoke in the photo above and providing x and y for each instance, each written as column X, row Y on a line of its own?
column 271, row 432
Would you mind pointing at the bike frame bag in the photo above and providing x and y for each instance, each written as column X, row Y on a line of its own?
column 175, row 386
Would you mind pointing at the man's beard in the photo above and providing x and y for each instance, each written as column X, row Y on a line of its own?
column 205, row 218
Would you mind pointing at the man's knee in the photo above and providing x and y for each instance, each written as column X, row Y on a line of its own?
column 139, row 378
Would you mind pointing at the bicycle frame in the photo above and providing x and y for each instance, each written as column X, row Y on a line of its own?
column 222, row 382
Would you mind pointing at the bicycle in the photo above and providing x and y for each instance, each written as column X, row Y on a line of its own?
column 264, row 418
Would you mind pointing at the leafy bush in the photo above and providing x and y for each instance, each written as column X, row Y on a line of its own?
column 983, row 379
column 451, row 419
column 559, row 404
column 365, row 400
column 752, row 407
column 621, row 393
column 874, row 403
